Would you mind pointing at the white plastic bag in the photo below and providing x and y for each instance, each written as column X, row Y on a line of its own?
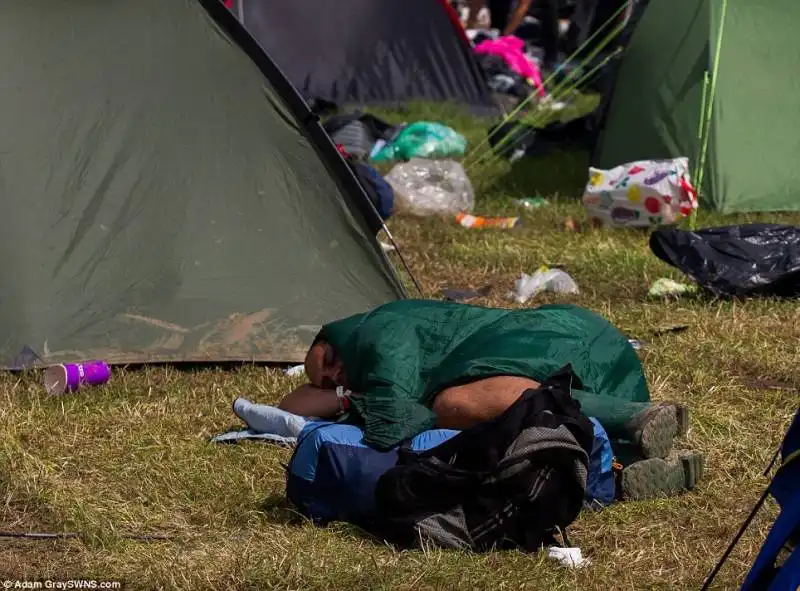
column 554, row 280
column 640, row 194
column 431, row 187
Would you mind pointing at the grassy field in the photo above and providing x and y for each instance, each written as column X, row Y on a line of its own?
column 134, row 457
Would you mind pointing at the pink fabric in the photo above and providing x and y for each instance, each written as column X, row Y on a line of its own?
column 510, row 49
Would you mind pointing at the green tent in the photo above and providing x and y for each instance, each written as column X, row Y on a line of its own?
column 655, row 109
column 166, row 194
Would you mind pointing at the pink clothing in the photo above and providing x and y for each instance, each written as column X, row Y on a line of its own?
column 510, row 49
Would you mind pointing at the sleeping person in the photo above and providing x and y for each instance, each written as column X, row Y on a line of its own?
column 413, row 365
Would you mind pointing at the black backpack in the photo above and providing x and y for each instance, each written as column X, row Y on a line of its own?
column 507, row 483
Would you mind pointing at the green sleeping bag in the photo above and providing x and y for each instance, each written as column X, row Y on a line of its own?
column 400, row 355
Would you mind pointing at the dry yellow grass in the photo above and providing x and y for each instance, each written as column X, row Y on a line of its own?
column 134, row 457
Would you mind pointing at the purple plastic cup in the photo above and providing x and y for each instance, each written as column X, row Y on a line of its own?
column 69, row 377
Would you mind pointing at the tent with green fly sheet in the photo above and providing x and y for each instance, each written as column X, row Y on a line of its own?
column 167, row 195
column 661, row 88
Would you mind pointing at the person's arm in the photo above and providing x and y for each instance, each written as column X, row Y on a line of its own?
column 518, row 16
column 310, row 401
column 474, row 8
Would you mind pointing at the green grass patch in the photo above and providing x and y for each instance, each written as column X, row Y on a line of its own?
column 134, row 457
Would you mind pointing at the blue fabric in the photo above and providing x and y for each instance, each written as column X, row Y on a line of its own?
column 785, row 488
column 600, row 485
column 379, row 191
column 332, row 475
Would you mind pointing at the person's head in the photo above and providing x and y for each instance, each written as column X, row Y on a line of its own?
column 323, row 366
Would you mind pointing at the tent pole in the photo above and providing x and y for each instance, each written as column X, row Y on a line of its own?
column 403, row 260
column 732, row 545
column 701, row 125
column 711, row 99
column 556, row 95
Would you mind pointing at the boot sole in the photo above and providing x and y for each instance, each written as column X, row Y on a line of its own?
column 659, row 431
column 682, row 416
column 659, row 477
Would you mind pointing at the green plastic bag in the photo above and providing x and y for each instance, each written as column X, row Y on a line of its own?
column 423, row 139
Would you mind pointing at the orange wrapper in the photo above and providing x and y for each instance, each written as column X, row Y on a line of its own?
column 475, row 221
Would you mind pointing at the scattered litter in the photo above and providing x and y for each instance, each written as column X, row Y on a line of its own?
column 70, row 377
column 636, row 344
column 431, row 187
column 547, row 102
column 461, row 295
column 387, row 247
column 376, row 149
column 423, row 139
column 570, row 225
column 295, row 370
column 544, row 279
column 569, row 557
column 640, row 194
column 671, row 328
column 532, row 202
column 475, row 221
column 667, row 287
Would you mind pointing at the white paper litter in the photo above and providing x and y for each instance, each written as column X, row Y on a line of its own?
column 295, row 370
column 569, row 557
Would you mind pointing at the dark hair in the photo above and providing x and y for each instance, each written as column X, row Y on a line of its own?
column 330, row 355
column 320, row 338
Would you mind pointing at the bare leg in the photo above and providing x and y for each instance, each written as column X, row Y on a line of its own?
column 462, row 407
column 517, row 17
column 472, row 13
column 310, row 401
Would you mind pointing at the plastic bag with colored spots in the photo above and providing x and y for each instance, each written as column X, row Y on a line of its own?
column 640, row 194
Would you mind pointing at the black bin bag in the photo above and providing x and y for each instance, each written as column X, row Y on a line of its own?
column 735, row 261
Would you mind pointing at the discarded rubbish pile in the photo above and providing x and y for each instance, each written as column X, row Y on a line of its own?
column 735, row 261
column 640, row 194
column 426, row 181
column 560, row 392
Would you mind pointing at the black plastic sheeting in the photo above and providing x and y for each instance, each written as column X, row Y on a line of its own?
column 753, row 259
column 363, row 52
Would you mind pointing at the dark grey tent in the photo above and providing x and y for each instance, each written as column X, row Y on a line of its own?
column 368, row 52
column 166, row 194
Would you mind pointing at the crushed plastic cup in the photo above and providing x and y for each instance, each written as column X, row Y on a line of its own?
column 70, row 377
